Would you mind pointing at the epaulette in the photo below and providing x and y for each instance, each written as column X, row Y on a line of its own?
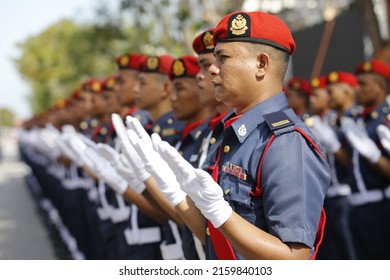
column 279, row 120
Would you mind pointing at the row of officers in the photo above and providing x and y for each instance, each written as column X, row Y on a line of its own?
column 172, row 158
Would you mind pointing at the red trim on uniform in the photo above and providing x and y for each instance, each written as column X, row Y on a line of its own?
column 190, row 127
column 230, row 121
column 222, row 247
column 368, row 110
column 131, row 111
column 216, row 120
column 96, row 132
column 319, row 234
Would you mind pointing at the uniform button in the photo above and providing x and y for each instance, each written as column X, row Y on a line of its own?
column 212, row 141
column 226, row 149
column 157, row 129
column 227, row 191
column 169, row 121
column 374, row 115
column 208, row 231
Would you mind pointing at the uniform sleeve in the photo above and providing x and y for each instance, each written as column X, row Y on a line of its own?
column 295, row 179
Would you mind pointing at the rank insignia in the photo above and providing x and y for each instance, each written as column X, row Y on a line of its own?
column 235, row 170
column 242, row 130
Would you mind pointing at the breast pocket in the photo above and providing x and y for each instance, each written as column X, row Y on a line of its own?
column 237, row 193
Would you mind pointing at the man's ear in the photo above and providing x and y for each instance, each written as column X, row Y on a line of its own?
column 262, row 65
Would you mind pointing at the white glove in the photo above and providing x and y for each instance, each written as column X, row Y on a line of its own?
column 325, row 134
column 384, row 136
column 134, row 124
column 135, row 161
column 160, row 170
column 106, row 172
column 359, row 140
column 78, row 148
column 119, row 162
column 198, row 184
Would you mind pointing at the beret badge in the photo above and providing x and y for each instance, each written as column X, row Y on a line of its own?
column 178, row 68
column 208, row 40
column 152, row 63
column 238, row 25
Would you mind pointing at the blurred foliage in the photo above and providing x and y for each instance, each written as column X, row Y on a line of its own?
column 7, row 117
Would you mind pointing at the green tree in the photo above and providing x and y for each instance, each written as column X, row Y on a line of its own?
column 7, row 117
column 56, row 61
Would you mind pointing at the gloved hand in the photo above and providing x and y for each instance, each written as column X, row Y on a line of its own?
column 136, row 162
column 325, row 134
column 160, row 170
column 134, row 124
column 359, row 140
column 119, row 162
column 102, row 168
column 384, row 136
column 198, row 184
column 78, row 148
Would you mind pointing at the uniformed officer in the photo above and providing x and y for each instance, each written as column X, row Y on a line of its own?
column 266, row 207
column 298, row 91
column 153, row 93
column 337, row 243
column 370, row 171
column 128, row 67
column 319, row 99
column 203, row 46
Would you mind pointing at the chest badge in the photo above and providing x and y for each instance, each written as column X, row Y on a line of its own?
column 242, row 130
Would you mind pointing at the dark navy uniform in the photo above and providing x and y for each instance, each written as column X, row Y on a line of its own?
column 370, row 194
column 168, row 127
column 294, row 176
column 338, row 242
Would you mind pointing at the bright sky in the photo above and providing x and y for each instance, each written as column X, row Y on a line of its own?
column 21, row 19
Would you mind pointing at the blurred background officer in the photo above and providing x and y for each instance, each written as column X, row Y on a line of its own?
column 337, row 243
column 319, row 99
column 152, row 94
column 128, row 67
column 370, row 171
column 203, row 46
column 298, row 92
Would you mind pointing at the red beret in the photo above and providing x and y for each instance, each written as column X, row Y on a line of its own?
column 299, row 84
column 109, row 83
column 342, row 77
column 319, row 82
column 75, row 94
column 156, row 64
column 374, row 66
column 93, row 86
column 129, row 61
column 184, row 67
column 203, row 43
column 255, row 27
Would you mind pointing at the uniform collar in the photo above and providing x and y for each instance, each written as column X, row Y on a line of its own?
column 190, row 128
column 248, row 122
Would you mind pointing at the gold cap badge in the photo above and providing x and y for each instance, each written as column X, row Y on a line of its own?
column 315, row 82
column 152, row 63
column 110, row 82
column 178, row 68
column 333, row 77
column 238, row 25
column 96, row 87
column 208, row 40
column 124, row 61
column 367, row 66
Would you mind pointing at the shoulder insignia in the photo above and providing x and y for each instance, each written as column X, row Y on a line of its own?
column 168, row 132
column 278, row 120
